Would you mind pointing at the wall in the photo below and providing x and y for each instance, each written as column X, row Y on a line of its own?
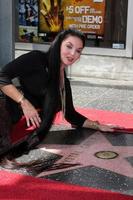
column 6, row 31
column 104, row 67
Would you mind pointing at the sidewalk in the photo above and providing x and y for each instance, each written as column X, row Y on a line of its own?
column 71, row 155
column 103, row 94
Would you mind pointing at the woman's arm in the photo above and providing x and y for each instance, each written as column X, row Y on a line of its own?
column 21, row 67
column 12, row 92
column 28, row 109
column 78, row 120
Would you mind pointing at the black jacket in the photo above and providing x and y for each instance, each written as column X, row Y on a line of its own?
column 32, row 71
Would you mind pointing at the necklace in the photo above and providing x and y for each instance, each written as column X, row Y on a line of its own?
column 63, row 97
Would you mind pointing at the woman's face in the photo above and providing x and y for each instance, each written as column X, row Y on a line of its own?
column 71, row 49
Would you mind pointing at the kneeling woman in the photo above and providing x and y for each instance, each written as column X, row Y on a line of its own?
column 43, row 85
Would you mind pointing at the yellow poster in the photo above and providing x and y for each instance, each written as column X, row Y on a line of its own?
column 50, row 16
column 84, row 15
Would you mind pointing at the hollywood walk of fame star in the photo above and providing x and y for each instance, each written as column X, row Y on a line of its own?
column 83, row 154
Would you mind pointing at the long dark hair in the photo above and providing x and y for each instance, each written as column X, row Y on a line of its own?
column 53, row 93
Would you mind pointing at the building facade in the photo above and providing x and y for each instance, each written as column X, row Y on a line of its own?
column 107, row 25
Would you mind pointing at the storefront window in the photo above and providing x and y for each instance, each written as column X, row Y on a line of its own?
column 104, row 22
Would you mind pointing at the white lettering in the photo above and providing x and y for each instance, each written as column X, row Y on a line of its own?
column 85, row 26
column 78, row 9
column 92, row 19
column 70, row 9
column 92, row 26
column 82, row 9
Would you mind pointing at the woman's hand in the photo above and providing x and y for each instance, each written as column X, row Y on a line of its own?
column 105, row 128
column 97, row 126
column 30, row 113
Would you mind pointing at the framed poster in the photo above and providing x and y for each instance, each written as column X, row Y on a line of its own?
column 28, row 20
column 50, row 16
column 84, row 15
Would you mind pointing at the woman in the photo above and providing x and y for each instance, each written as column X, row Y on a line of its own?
column 44, row 86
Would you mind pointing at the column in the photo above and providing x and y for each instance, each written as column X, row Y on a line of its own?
column 7, row 31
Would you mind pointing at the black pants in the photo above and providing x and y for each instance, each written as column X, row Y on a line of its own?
column 10, row 113
column 5, row 126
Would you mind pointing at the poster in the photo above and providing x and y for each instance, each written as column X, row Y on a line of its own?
column 50, row 16
column 84, row 15
column 28, row 20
